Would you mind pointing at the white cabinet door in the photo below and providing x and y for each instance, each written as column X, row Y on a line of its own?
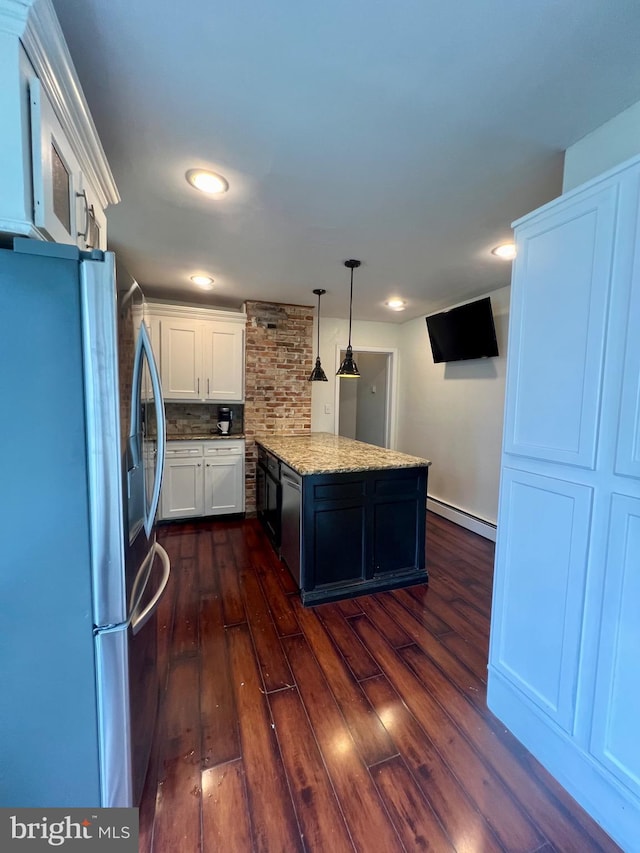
column 56, row 171
column 224, row 479
column 223, row 360
column 181, row 358
column 182, row 488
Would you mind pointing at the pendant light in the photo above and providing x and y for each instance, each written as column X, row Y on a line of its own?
column 318, row 374
column 348, row 368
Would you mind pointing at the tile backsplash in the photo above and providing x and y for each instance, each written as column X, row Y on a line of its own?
column 185, row 419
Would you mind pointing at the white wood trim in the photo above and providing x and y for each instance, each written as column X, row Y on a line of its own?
column 462, row 518
column 193, row 312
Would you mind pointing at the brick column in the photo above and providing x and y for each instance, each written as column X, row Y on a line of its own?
column 279, row 354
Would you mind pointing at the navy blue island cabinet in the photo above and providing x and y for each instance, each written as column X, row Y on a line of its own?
column 348, row 532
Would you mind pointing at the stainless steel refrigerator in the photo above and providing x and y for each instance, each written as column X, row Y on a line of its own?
column 81, row 573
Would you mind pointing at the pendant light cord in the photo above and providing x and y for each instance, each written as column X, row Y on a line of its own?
column 319, row 325
column 350, row 305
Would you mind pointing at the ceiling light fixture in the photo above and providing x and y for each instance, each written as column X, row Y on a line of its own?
column 318, row 374
column 396, row 304
column 207, row 182
column 203, row 281
column 348, row 368
column 506, row 251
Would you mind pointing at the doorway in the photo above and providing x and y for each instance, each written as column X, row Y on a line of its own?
column 364, row 406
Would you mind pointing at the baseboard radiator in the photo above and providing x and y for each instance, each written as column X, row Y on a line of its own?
column 463, row 518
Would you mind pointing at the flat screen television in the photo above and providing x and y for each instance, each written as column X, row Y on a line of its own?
column 464, row 332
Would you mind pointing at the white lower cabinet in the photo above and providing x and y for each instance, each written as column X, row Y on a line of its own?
column 203, row 478
column 224, row 478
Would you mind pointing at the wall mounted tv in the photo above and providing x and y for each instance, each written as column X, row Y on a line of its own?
column 463, row 333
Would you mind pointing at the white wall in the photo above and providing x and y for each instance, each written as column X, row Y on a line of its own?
column 449, row 413
column 452, row 414
column 608, row 145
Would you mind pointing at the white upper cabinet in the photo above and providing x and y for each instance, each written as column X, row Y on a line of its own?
column 55, row 179
column 223, row 351
column 200, row 352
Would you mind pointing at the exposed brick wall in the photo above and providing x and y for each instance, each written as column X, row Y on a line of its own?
column 277, row 390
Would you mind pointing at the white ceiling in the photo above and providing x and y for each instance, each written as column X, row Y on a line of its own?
column 406, row 133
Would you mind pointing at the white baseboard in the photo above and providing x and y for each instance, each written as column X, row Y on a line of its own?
column 464, row 519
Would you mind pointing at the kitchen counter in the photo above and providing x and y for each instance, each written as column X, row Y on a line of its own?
column 348, row 518
column 204, row 436
column 325, row 453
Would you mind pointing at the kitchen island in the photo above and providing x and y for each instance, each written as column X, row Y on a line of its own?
column 348, row 518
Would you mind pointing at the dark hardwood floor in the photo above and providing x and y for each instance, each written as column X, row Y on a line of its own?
column 360, row 725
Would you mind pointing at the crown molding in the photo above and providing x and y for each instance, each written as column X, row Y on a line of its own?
column 36, row 25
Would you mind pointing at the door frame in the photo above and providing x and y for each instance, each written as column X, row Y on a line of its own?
column 391, row 402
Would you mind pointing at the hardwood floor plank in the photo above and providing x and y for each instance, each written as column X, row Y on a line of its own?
column 360, row 662
column 274, row 668
column 207, row 574
column 271, row 811
column 219, row 534
column 219, row 717
column 366, row 817
column 238, row 538
column 427, row 617
column 319, row 816
column 185, row 622
column 430, row 601
column 485, row 733
column 228, row 579
column 386, row 625
column 225, row 818
column 509, row 823
column 349, row 607
column 402, row 607
column 372, row 741
column 179, row 770
column 467, row 653
column 450, row 588
column 279, row 603
column 466, row 827
column 413, row 817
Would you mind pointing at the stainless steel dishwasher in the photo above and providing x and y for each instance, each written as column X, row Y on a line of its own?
column 290, row 531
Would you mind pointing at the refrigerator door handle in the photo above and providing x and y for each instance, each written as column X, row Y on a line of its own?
column 140, row 619
column 143, row 347
column 140, row 582
column 161, row 448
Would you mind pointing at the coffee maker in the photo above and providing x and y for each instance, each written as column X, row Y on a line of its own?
column 225, row 419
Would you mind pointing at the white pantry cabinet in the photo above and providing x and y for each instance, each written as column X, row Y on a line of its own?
column 55, row 179
column 200, row 352
column 203, row 478
column 565, row 632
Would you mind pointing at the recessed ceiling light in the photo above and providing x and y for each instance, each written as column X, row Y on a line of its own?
column 203, row 281
column 207, row 182
column 396, row 304
column 506, row 251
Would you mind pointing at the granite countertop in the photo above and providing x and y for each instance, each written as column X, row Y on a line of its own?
column 325, row 453
column 204, row 436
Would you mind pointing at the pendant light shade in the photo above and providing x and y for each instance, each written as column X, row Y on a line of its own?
column 318, row 374
column 348, row 368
